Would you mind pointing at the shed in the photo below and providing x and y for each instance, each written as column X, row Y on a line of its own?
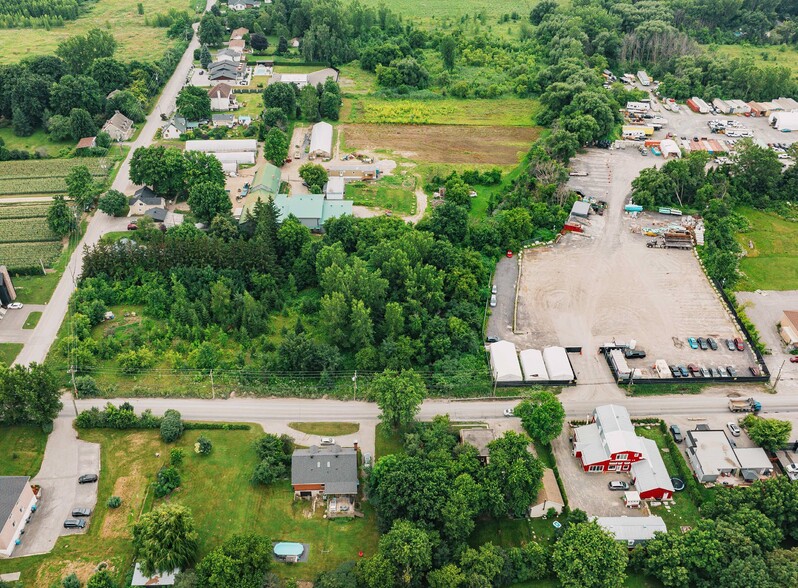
column 87, row 143
column 696, row 104
column 581, row 208
column 631, row 499
column 633, row 530
column 787, row 104
column 533, row 366
column 738, row 106
column 240, row 157
column 335, row 189
column 548, row 497
column 650, row 477
column 557, row 364
column 321, row 140
column 788, row 327
column 722, row 106
column 157, row 579
column 478, row 438
column 222, row 145
column 504, row 362
column 784, row 121
column 669, row 148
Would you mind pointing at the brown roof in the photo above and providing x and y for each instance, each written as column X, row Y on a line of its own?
column 792, row 316
column 237, row 44
column 86, row 142
column 549, row 491
column 221, row 91
column 239, row 33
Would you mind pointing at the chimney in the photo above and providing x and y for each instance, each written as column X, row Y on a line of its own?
column 355, row 445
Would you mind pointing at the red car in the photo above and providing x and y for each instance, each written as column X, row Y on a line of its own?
column 132, row 226
column 794, row 359
column 509, row 254
column 738, row 343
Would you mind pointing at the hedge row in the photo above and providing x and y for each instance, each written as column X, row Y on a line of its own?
column 124, row 417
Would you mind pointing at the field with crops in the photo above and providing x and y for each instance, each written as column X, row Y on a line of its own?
column 509, row 112
column 25, row 239
column 45, row 176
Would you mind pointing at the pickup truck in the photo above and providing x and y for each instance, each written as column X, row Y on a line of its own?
column 744, row 405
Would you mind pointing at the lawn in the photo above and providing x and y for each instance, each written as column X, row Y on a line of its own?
column 393, row 193
column 443, row 9
column 505, row 112
column 251, row 104
column 217, row 490
column 9, row 352
column 773, row 262
column 38, row 139
column 22, row 448
column 32, row 320
column 329, row 429
column 781, row 55
column 136, row 39
column 388, row 441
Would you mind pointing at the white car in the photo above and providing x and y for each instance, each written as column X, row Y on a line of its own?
column 734, row 429
column 509, row 412
column 493, row 300
column 327, row 441
column 15, row 305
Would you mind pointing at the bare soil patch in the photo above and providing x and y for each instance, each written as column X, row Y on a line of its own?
column 50, row 574
column 444, row 143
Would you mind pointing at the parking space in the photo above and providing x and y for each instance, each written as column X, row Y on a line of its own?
column 500, row 321
column 11, row 330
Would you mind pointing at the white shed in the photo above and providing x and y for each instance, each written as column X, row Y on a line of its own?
column 335, row 188
column 722, row 106
column 504, row 362
column 784, row 121
column 533, row 365
column 669, row 148
column 239, row 157
column 223, row 145
column 321, row 140
column 557, row 364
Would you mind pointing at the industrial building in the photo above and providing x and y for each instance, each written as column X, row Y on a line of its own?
column 669, row 148
column 504, row 362
column 321, row 140
column 240, row 151
column 312, row 210
column 784, row 121
column 696, row 104
column 533, row 366
column 712, row 455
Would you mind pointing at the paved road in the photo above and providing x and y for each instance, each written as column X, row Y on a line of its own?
column 44, row 335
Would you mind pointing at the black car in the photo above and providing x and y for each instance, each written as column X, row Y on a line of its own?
column 634, row 353
column 677, row 433
column 712, row 344
column 732, row 371
column 702, row 343
column 81, row 512
column 74, row 524
column 87, row 479
column 683, row 369
column 491, row 339
column 675, row 371
column 730, row 345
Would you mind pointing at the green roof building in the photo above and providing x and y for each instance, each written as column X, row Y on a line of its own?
column 265, row 185
column 311, row 209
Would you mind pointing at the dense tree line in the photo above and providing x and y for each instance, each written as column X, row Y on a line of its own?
column 37, row 13
column 28, row 395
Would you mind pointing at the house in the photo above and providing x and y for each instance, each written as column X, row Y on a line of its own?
column 223, row 120
column 479, row 438
column 157, row 579
column 312, row 210
column 119, row 127
column 504, row 362
column 87, row 143
column 17, row 503
column 156, row 213
column 335, row 188
column 143, row 200
column 237, row 5
column 237, row 45
column 712, row 455
column 7, row 291
column 548, row 497
column 223, row 71
column 650, row 476
column 222, row 97
column 161, row 215
column 238, row 33
column 175, row 128
column 632, row 530
column 609, row 443
column 228, row 55
column 301, row 80
column 265, row 185
column 324, row 471
column 788, row 328
column 321, row 140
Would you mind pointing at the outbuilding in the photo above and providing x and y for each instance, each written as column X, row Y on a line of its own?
column 479, row 439
column 548, row 497
column 157, row 579
column 669, row 148
column 17, row 503
column 788, row 328
column 581, row 208
column 321, row 140
column 722, row 106
column 784, row 121
column 696, row 104
column 504, row 362
column 650, row 476
column 335, row 189
column 223, row 145
column 633, row 530
column 557, row 364
column 533, row 366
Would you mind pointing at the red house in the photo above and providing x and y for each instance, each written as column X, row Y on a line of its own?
column 609, row 443
column 649, row 476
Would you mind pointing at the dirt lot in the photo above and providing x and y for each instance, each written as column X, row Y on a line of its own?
column 444, row 143
column 607, row 285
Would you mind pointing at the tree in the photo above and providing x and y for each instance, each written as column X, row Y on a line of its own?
column 102, row 579
column 258, row 42
column 542, row 416
column 399, row 396
column 205, row 58
column 458, row 191
column 275, row 147
column 448, row 49
column 125, row 102
column 203, row 446
column 87, row 387
column 329, row 105
column 110, row 74
column 403, row 557
column 240, row 562
column 165, row 538
column 171, row 426
column 449, row 221
column 194, row 103
column 60, row 218
column 274, row 117
column 200, row 168
column 80, row 52
column 588, row 556
column 314, row 175
column 76, row 92
column 770, row 434
column 81, row 124
column 81, row 187
column 71, row 581
column 114, row 203
column 281, row 95
column 207, row 199
column 513, row 475
column 282, row 46
column 275, row 455
column 308, row 103
column 59, row 128
column 211, row 30
column 159, row 167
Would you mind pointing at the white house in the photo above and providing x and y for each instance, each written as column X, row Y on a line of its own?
column 143, row 200
column 321, row 140
column 548, row 497
column 222, row 97
column 633, row 530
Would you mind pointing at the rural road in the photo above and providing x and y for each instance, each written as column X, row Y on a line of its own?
column 37, row 347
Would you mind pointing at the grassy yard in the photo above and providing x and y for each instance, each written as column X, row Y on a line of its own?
column 32, row 320
column 38, row 139
column 22, row 448
column 9, row 352
column 388, row 441
column 329, row 429
column 217, row 490
column 781, row 55
column 686, row 386
column 442, row 9
column 251, row 104
column 773, row 262
column 507, row 112
column 394, row 193
column 136, row 39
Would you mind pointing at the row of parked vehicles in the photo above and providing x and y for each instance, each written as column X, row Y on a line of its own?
column 691, row 369
column 705, row 343
column 80, row 513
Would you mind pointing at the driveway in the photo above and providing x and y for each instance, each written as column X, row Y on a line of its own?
column 365, row 437
column 500, row 321
column 11, row 330
column 65, row 458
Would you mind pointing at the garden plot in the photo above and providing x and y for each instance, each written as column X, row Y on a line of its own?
column 45, row 176
column 25, row 238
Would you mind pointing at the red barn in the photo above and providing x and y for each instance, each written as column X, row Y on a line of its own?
column 609, row 444
column 649, row 476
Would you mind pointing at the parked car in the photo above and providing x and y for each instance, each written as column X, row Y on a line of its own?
column 692, row 342
column 702, row 343
column 493, row 300
column 327, row 441
column 705, row 373
column 132, row 226
column 722, row 371
column 676, row 432
column 684, row 371
column 494, row 290
column 74, row 524
column 730, row 344
column 81, row 512
column 509, row 412
column 694, row 369
column 618, row 485
column 732, row 371
column 675, row 371
column 634, row 353
column 87, row 479
column 734, row 429
column 712, row 344
column 738, row 343
column 509, row 253
column 755, row 371
column 794, row 359
column 15, row 305
column 491, row 339
column 715, row 373
column 366, row 460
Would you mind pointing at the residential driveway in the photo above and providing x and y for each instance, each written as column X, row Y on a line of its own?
column 500, row 321
column 589, row 492
column 364, row 437
column 65, row 458
column 11, row 330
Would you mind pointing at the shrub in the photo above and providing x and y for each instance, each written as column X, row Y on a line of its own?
column 167, row 480
column 203, row 446
column 176, row 456
column 114, row 502
column 171, row 426
column 71, row 581
column 87, row 387
column 215, row 427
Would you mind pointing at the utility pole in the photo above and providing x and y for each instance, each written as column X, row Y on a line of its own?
column 778, row 376
column 354, row 382
column 74, row 389
column 213, row 390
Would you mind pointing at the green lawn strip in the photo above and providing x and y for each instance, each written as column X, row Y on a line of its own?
column 9, row 352
column 773, row 262
column 22, row 448
column 32, row 320
column 328, row 429
column 686, row 386
column 390, row 193
column 388, row 441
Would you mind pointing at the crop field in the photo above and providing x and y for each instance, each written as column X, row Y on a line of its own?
column 444, row 143
column 510, row 112
column 136, row 39
column 45, row 176
column 11, row 211
column 21, row 230
column 25, row 238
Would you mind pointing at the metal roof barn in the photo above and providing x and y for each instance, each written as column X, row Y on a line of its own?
column 504, row 362
column 557, row 364
column 533, row 366
column 321, row 140
column 222, row 145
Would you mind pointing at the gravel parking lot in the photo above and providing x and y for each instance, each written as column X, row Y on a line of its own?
column 500, row 321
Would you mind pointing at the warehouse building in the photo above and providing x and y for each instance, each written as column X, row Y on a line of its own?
column 697, row 105
column 504, row 362
column 784, row 121
column 557, row 364
column 321, row 140
column 670, row 148
column 223, row 145
column 533, row 366
column 633, row 530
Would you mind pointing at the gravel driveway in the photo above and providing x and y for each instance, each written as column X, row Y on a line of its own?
column 500, row 321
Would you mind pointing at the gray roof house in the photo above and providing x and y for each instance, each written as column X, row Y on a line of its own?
column 633, row 530
column 119, row 127
column 712, row 455
column 143, row 200
column 223, row 120
column 327, row 470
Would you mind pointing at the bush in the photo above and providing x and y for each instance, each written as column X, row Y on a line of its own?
column 203, row 446
column 167, row 481
column 71, row 581
column 114, row 502
column 87, row 387
column 176, row 456
column 215, row 427
column 171, row 426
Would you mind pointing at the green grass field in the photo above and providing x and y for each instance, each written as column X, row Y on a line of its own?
column 22, row 448
column 506, row 112
column 782, row 55
column 773, row 262
column 136, row 39
column 32, row 320
column 441, row 9
column 388, row 441
column 38, row 139
column 326, row 429
column 9, row 352
column 393, row 193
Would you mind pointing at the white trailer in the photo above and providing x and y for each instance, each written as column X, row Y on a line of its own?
column 643, row 77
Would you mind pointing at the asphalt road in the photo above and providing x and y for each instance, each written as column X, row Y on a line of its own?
column 37, row 347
